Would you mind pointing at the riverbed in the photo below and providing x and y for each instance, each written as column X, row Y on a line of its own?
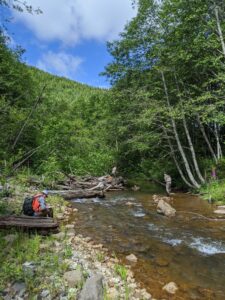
column 188, row 249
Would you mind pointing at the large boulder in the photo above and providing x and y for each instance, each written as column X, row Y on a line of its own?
column 165, row 209
column 93, row 288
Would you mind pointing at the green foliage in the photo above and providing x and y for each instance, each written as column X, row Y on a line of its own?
column 121, row 271
column 167, row 73
column 214, row 191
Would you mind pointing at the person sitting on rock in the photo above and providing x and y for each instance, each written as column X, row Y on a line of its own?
column 39, row 206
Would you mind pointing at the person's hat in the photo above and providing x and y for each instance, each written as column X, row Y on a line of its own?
column 45, row 192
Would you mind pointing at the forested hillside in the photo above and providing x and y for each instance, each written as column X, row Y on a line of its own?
column 51, row 124
column 168, row 78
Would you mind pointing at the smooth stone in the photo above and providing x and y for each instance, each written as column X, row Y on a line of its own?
column 170, row 288
column 74, row 278
column 93, row 288
column 131, row 258
column 219, row 211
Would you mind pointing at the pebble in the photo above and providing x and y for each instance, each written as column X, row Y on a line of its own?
column 170, row 288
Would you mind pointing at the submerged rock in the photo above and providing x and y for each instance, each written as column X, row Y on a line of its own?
column 165, row 209
column 93, row 288
column 162, row 262
column 170, row 288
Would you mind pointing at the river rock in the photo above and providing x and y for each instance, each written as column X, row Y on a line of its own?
column 220, row 211
column 60, row 216
column 29, row 268
column 131, row 258
column 165, row 209
column 221, row 207
column 69, row 226
column 74, row 278
column 129, row 203
column 18, row 288
column 93, row 288
column 170, row 288
column 44, row 293
column 59, row 236
column 10, row 238
column 135, row 188
column 112, row 293
column 162, row 262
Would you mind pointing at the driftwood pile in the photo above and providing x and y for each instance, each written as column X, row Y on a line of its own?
column 88, row 186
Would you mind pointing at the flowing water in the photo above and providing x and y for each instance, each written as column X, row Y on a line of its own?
column 187, row 249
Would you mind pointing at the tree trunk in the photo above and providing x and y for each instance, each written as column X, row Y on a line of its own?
column 175, row 160
column 186, row 163
column 206, row 139
column 219, row 29
column 218, row 146
column 193, row 154
column 192, row 151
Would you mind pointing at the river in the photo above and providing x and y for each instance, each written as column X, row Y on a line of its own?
column 187, row 249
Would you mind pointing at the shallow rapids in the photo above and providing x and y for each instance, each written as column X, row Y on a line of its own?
column 187, row 249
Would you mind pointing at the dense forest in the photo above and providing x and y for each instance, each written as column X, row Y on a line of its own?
column 164, row 112
column 168, row 84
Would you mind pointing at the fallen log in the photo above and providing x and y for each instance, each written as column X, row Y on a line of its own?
column 26, row 222
column 71, row 194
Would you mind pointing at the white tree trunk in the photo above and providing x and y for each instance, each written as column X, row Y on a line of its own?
column 198, row 172
column 175, row 160
column 186, row 163
column 193, row 154
column 206, row 139
column 218, row 146
column 219, row 29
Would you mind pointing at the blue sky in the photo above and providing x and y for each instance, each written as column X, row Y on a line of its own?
column 69, row 37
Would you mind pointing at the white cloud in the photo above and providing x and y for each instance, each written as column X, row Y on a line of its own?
column 70, row 21
column 61, row 63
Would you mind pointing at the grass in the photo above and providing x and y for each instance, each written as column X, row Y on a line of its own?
column 121, row 271
column 100, row 257
column 27, row 248
column 215, row 191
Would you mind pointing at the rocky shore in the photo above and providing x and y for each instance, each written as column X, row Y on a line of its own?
column 63, row 266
